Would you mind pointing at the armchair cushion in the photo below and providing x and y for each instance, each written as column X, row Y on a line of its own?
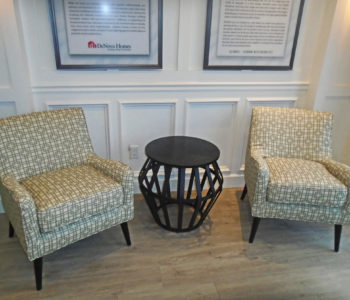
column 298, row 181
column 67, row 195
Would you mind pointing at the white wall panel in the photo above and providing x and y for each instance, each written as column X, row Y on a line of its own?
column 4, row 71
column 142, row 122
column 7, row 109
column 213, row 120
column 333, row 93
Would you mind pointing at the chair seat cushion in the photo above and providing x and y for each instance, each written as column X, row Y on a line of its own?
column 298, row 181
column 67, row 195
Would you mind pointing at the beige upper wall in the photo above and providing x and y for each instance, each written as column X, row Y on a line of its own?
column 333, row 92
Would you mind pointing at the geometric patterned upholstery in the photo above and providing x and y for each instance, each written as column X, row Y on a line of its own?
column 55, row 190
column 44, row 141
column 292, row 132
column 298, row 181
column 67, row 195
column 289, row 171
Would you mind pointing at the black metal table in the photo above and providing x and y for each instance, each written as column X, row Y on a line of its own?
column 171, row 157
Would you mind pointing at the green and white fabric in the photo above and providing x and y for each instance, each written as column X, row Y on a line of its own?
column 291, row 132
column 67, row 195
column 40, row 142
column 302, row 181
column 54, row 189
column 289, row 172
column 118, row 171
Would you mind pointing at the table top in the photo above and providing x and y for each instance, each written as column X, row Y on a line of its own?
column 182, row 151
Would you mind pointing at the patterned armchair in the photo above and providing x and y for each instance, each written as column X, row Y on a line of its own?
column 55, row 190
column 289, row 172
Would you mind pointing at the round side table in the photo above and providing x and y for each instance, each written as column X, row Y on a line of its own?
column 171, row 157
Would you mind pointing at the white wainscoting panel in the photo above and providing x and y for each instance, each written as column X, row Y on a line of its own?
column 142, row 121
column 213, row 119
column 4, row 73
column 7, row 109
column 98, row 121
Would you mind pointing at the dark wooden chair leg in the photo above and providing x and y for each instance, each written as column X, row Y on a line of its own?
column 126, row 233
column 38, row 270
column 244, row 193
column 337, row 235
column 11, row 230
column 255, row 226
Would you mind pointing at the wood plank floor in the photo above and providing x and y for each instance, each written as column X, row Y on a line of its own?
column 288, row 260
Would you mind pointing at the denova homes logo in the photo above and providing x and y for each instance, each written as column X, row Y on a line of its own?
column 91, row 44
column 116, row 46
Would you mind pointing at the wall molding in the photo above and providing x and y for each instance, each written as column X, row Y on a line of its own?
column 232, row 102
column 5, row 87
column 4, row 102
column 170, row 86
column 146, row 101
column 5, row 112
column 7, row 94
column 143, row 102
column 272, row 99
column 212, row 100
column 209, row 101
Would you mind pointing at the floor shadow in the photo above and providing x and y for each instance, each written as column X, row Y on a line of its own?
column 277, row 239
column 145, row 222
column 244, row 214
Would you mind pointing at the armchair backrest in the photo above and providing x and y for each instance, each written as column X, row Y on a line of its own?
column 291, row 132
column 39, row 142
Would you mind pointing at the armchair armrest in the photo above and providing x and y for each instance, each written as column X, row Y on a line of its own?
column 341, row 172
column 256, row 176
column 118, row 171
column 21, row 211
column 338, row 170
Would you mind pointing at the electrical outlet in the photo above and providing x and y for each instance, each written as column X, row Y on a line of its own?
column 134, row 151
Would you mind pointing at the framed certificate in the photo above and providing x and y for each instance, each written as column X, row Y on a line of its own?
column 94, row 34
column 254, row 34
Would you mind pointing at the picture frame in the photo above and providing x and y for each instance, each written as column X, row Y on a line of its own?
column 148, row 57
column 230, row 34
